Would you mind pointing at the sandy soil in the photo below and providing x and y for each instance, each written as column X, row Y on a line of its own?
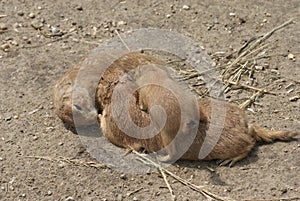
column 30, row 63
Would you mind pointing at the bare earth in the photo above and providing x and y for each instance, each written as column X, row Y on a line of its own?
column 33, row 62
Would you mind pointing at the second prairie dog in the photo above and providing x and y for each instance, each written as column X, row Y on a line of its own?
column 157, row 88
column 116, row 70
column 236, row 140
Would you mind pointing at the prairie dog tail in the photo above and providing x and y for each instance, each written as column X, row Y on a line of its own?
column 262, row 134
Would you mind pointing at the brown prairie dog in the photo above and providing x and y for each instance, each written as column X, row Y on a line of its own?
column 236, row 140
column 112, row 75
column 79, row 101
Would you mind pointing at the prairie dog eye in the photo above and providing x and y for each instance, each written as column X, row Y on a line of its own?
column 77, row 107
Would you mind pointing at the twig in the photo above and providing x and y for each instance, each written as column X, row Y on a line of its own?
column 2, row 16
column 251, row 100
column 200, row 189
column 256, row 43
column 70, row 161
column 168, row 184
column 250, row 87
column 84, row 41
column 135, row 191
column 55, row 40
column 190, row 76
column 122, row 40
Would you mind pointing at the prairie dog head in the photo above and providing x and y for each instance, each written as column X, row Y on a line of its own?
column 83, row 108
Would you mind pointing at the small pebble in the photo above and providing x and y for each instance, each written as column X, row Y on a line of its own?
column 16, row 117
column 20, row 13
column 168, row 16
column 15, row 43
column 259, row 68
column 119, row 197
column 79, row 8
column 291, row 56
column 39, row 8
column 8, row 118
column 5, row 47
column 35, row 138
column 54, row 30
column 123, row 176
column 231, row 14
column 120, row 23
column 1, row 159
column 31, row 15
column 37, row 24
column 135, row 199
column 294, row 98
column 268, row 14
column 49, row 193
column 3, row 26
column 185, row 7
column 69, row 199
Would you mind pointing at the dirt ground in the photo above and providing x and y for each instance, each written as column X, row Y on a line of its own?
column 31, row 61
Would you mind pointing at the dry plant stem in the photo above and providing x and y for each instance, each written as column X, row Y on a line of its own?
column 135, row 191
column 251, row 100
column 255, row 52
column 173, row 197
column 122, row 40
column 250, row 87
column 256, row 43
column 49, row 42
column 84, row 41
column 200, row 189
column 70, row 161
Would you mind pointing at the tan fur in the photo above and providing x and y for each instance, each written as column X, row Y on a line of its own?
column 64, row 89
column 235, row 142
column 64, row 107
column 112, row 75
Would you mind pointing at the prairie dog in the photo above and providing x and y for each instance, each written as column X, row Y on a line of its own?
column 80, row 101
column 64, row 93
column 237, row 138
column 112, row 75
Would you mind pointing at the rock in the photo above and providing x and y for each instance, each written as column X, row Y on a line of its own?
column 20, row 13
column 3, row 26
column 69, row 199
column 36, row 24
column 185, row 7
column 123, row 176
column 31, row 15
column 294, row 98
column 54, row 30
column 15, row 43
column 231, row 14
column 168, row 16
column 5, row 46
column 291, row 56
column 79, row 8
column 121, row 23
column 119, row 197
